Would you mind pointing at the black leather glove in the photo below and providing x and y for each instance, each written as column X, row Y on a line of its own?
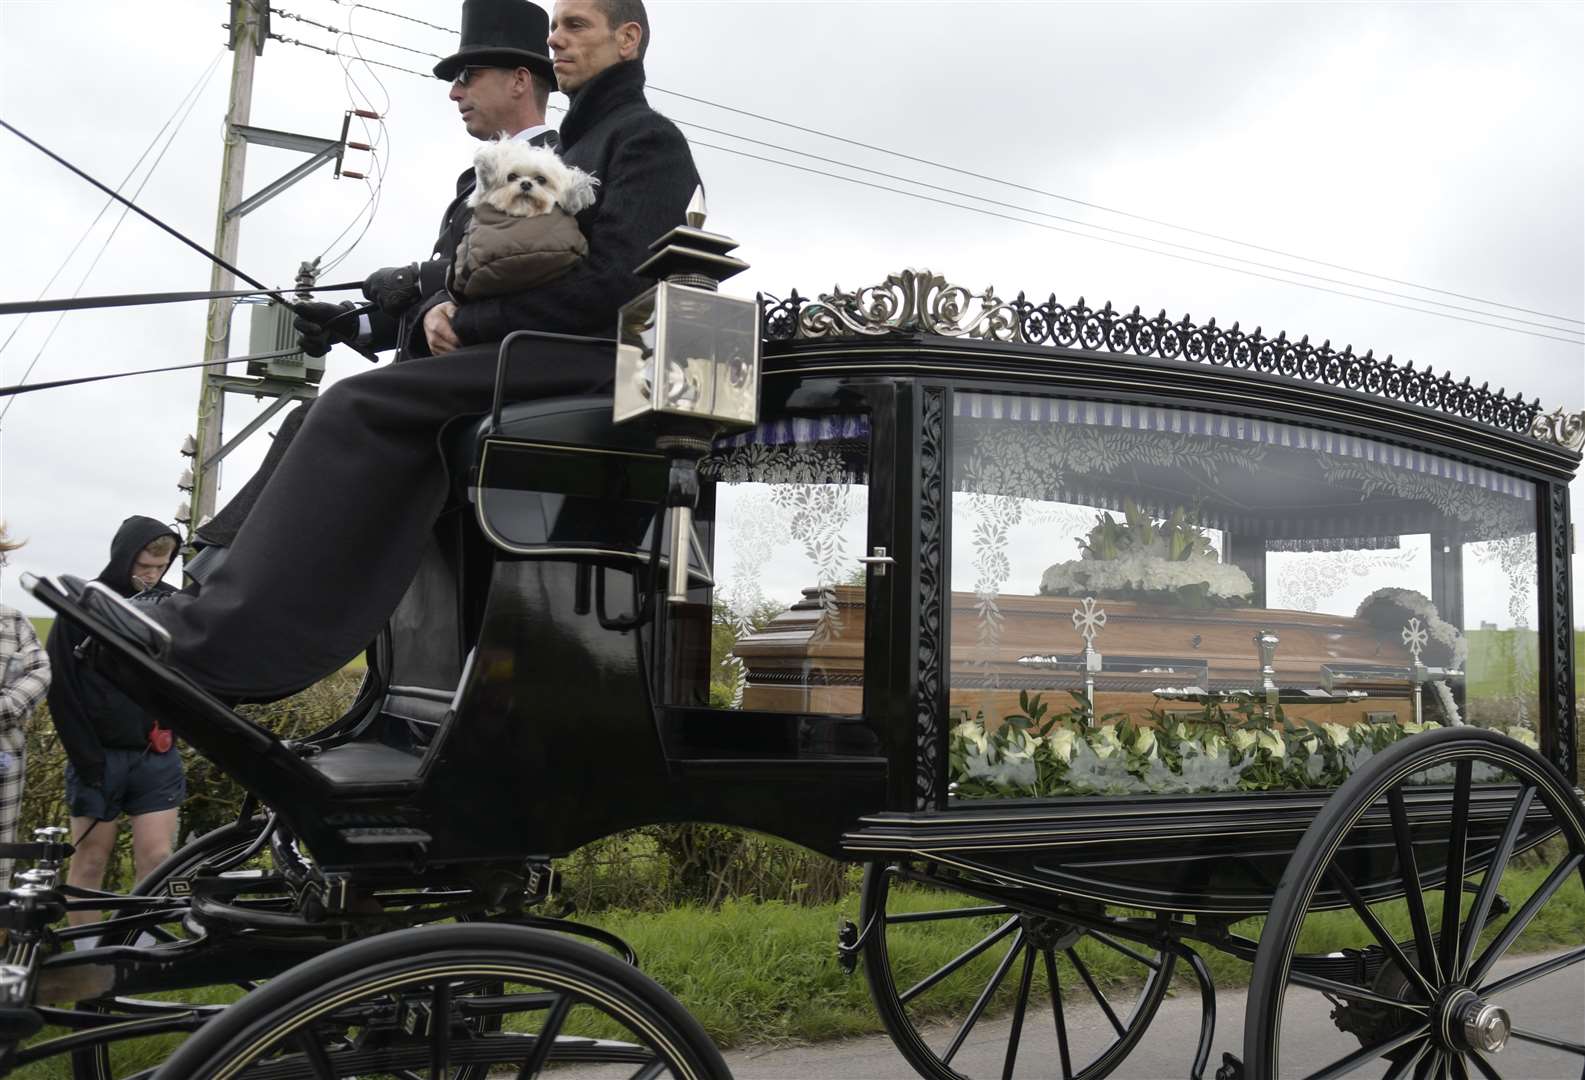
column 393, row 289
column 320, row 325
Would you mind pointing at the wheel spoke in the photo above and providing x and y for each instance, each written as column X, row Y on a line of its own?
column 1484, row 1067
column 1408, row 865
column 1453, row 884
column 1429, row 1067
column 1456, row 1064
column 1499, row 863
column 547, row 1038
column 947, row 969
column 650, row 1070
column 440, row 1030
column 1403, row 1065
column 949, row 913
column 1344, row 1066
column 1154, row 965
column 1548, row 1040
column 1355, row 993
column 1379, row 932
column 1056, row 1011
column 1095, row 991
column 1019, row 1008
column 315, row 1054
column 1521, row 919
column 1547, row 967
column 984, row 999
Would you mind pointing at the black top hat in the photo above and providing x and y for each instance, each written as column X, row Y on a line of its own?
column 501, row 33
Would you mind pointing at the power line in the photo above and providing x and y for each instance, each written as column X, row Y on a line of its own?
column 283, row 39
column 397, row 15
column 338, row 30
column 1109, row 229
column 1120, row 243
column 190, row 100
column 1106, row 209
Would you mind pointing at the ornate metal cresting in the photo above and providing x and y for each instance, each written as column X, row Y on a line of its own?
column 1565, row 429
column 921, row 301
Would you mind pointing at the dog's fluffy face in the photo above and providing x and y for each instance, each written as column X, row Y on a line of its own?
column 523, row 180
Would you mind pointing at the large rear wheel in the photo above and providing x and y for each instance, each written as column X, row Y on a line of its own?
column 1410, row 867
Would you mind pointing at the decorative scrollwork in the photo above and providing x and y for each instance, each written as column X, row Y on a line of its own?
column 1565, row 429
column 908, row 301
column 930, row 743
column 919, row 301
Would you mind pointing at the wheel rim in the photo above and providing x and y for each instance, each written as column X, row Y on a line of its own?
column 1443, row 982
column 451, row 1001
column 984, row 1004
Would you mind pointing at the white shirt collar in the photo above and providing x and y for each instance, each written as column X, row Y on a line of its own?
column 530, row 133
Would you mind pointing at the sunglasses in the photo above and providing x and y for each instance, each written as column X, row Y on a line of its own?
column 465, row 76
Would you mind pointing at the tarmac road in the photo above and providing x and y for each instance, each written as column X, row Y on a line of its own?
column 1554, row 1005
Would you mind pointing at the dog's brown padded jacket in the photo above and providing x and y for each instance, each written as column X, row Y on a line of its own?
column 502, row 254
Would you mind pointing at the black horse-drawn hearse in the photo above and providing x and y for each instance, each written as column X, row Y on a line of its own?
column 1094, row 636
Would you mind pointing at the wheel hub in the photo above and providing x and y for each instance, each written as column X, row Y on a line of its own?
column 1468, row 1023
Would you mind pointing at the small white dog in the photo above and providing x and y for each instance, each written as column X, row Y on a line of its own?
column 523, row 180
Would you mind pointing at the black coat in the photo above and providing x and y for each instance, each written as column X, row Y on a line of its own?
column 89, row 713
column 647, row 178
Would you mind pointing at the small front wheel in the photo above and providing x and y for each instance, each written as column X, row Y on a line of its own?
column 447, row 1001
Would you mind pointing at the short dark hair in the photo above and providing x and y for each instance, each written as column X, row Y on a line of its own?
column 542, row 88
column 617, row 12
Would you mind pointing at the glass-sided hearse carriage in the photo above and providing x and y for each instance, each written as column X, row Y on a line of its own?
column 1094, row 636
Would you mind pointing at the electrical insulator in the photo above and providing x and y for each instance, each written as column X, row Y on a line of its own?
column 359, row 146
column 184, row 512
column 353, row 175
column 189, row 447
column 367, row 115
column 185, row 483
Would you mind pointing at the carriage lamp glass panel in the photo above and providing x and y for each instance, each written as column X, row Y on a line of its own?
column 689, row 352
column 1112, row 565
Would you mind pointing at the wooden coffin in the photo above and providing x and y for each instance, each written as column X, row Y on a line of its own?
column 811, row 657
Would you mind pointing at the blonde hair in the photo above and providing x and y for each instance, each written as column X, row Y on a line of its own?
column 161, row 547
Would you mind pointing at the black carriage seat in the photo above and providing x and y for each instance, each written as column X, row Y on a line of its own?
column 556, row 479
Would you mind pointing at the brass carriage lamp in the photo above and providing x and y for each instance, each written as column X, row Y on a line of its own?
column 685, row 349
column 688, row 357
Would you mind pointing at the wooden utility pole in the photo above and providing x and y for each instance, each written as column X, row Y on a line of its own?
column 248, row 30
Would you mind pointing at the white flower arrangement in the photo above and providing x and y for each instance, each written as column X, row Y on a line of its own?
column 1170, row 559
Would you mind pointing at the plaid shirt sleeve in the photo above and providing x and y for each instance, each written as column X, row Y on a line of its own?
column 24, row 669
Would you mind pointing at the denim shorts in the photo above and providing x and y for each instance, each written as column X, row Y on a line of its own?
column 136, row 782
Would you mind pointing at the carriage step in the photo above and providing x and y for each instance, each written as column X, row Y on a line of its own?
column 378, row 837
column 1232, row 1068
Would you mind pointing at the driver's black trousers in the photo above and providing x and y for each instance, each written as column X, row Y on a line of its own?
column 334, row 538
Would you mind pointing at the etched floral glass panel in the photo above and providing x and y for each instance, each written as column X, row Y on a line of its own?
column 791, row 512
column 1161, row 600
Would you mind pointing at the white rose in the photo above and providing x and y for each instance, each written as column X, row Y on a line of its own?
column 1214, row 745
column 1336, row 734
column 973, row 732
column 1271, row 742
column 1145, row 742
column 1242, row 739
column 1104, row 741
column 1016, row 745
column 1061, row 742
column 1309, row 743
column 1526, row 736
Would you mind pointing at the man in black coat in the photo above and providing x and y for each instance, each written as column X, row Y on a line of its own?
column 119, row 758
column 335, row 537
column 501, row 78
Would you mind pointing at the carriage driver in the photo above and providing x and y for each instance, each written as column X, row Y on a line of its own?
column 333, row 541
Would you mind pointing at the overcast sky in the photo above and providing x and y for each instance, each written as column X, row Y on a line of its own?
column 1439, row 144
